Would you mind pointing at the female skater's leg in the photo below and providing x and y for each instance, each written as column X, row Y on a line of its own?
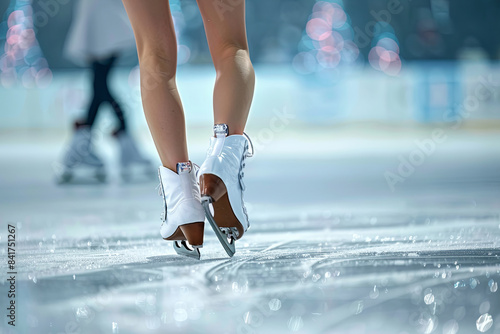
column 157, row 50
column 222, row 197
column 226, row 34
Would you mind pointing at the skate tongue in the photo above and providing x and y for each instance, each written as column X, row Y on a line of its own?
column 221, row 130
column 184, row 167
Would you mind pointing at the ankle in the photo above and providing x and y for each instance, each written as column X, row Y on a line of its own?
column 179, row 166
column 232, row 129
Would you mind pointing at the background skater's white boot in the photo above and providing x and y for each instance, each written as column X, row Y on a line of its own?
column 221, row 186
column 131, row 157
column 183, row 216
column 80, row 155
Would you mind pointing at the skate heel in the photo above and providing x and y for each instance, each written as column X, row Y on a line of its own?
column 212, row 186
column 183, row 216
column 194, row 233
column 218, row 210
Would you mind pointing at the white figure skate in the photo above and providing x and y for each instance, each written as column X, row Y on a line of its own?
column 80, row 156
column 130, row 157
column 221, row 185
column 183, row 217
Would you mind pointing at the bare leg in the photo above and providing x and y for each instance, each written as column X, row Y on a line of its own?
column 224, row 22
column 157, row 50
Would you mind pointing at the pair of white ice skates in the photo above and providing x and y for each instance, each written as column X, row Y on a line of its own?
column 214, row 191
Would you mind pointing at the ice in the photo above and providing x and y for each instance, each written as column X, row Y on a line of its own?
column 295, row 323
column 484, row 322
column 274, row 304
column 114, row 328
column 450, row 327
column 493, row 285
column 82, row 313
column 375, row 293
column 484, row 307
column 429, row 298
column 331, row 251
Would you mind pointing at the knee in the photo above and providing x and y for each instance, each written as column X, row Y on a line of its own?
column 232, row 53
column 157, row 65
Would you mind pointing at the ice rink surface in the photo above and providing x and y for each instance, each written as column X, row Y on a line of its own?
column 331, row 249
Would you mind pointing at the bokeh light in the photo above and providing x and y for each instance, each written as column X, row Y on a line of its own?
column 183, row 50
column 183, row 54
column 318, row 29
column 23, row 61
column 384, row 54
column 327, row 41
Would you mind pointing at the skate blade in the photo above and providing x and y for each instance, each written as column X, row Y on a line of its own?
column 228, row 245
column 182, row 248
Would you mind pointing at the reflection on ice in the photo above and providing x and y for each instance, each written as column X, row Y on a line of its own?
column 419, row 262
column 411, row 279
column 484, row 322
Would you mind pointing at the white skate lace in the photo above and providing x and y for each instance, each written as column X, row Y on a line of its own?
column 249, row 155
column 196, row 169
column 246, row 154
column 163, row 216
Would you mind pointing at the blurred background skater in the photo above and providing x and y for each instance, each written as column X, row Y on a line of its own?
column 99, row 33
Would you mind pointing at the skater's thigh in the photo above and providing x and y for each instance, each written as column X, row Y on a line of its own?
column 224, row 23
column 152, row 24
